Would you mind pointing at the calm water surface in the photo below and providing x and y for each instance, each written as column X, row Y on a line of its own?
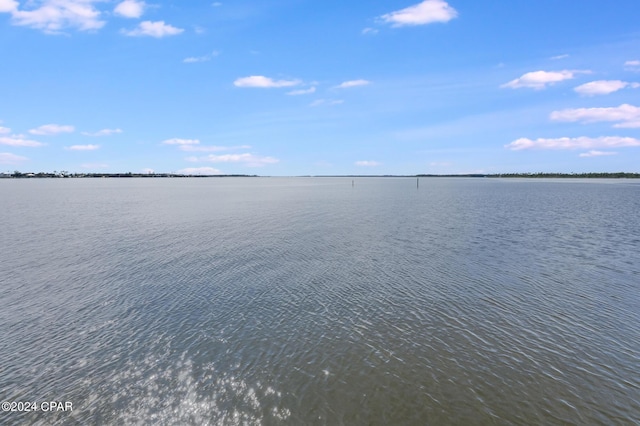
column 310, row 301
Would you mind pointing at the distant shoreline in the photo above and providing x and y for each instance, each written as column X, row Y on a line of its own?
column 65, row 175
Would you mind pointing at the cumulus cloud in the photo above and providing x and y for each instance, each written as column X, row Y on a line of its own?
column 199, row 171
column 604, row 87
column 130, row 8
column 52, row 129
column 632, row 65
column 193, row 145
column 177, row 141
column 626, row 116
column 103, row 132
column 203, row 58
column 156, row 29
column 352, row 83
column 594, row 153
column 53, row 16
column 326, row 102
column 541, row 79
column 4, row 130
column 426, row 12
column 302, row 91
column 582, row 142
column 247, row 159
column 8, row 6
column 82, row 147
column 19, row 140
column 8, row 158
column 213, row 148
column 367, row 163
column 264, row 82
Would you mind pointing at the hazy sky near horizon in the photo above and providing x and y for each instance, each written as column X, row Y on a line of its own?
column 301, row 87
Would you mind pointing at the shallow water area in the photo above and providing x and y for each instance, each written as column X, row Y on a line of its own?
column 321, row 300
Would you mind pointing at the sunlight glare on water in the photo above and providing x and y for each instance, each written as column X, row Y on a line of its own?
column 312, row 301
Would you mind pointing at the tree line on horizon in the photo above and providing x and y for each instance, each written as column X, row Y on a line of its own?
column 65, row 174
column 590, row 175
column 608, row 175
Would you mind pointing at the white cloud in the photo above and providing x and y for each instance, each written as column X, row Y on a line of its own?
column 573, row 143
column 264, row 82
column 594, row 153
column 352, row 83
column 193, row 145
column 541, row 79
column 8, row 158
column 177, row 141
column 604, row 87
column 148, row 171
column 199, row 171
column 302, row 91
column 326, row 102
column 4, row 130
column 367, row 163
column 103, row 132
column 130, row 8
column 18, row 140
column 53, row 16
column 426, row 12
column 52, row 129
column 156, row 29
column 370, row 31
column 204, row 58
column 196, row 148
column 632, row 65
column 82, row 147
column 627, row 116
column 8, row 6
column 555, row 58
column 247, row 159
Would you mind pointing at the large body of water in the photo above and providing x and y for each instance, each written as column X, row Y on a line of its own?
column 309, row 301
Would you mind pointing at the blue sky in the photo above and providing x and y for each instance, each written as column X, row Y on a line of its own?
column 301, row 87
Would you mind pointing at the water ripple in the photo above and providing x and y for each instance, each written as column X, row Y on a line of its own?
column 311, row 301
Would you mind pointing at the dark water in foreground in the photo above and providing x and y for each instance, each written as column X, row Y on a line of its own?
column 309, row 301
